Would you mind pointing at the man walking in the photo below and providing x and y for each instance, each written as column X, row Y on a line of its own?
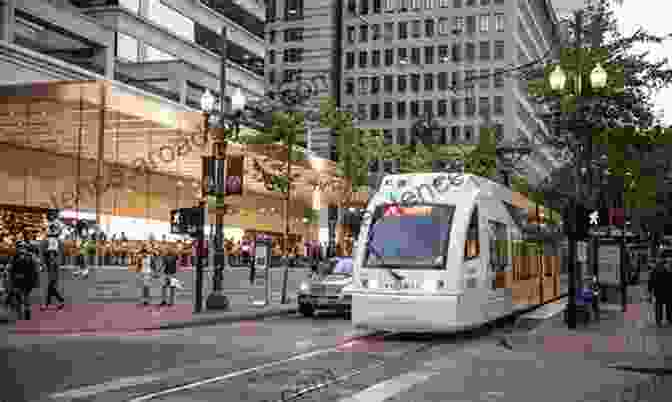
column 53, row 274
column 24, row 276
column 169, row 271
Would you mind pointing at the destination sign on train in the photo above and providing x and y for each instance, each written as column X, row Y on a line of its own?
column 395, row 210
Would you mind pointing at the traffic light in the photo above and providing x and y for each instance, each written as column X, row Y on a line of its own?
column 617, row 216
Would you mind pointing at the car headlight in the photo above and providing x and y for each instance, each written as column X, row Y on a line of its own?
column 304, row 287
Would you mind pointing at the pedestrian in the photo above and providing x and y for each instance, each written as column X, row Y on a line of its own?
column 169, row 272
column 24, row 278
column 53, row 268
column 657, row 290
column 141, row 262
column 667, row 297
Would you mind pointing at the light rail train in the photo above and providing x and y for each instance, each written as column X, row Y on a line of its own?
column 451, row 251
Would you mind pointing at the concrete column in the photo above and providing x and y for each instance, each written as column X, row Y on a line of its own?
column 109, row 62
column 7, row 8
column 183, row 91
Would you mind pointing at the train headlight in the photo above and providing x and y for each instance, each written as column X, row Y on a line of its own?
column 304, row 287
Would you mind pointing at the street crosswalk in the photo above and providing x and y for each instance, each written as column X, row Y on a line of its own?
column 389, row 388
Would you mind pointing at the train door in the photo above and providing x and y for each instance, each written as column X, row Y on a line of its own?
column 497, row 265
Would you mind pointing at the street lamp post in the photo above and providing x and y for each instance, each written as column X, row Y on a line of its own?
column 224, row 121
column 557, row 81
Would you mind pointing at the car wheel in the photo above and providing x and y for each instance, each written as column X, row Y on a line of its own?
column 306, row 309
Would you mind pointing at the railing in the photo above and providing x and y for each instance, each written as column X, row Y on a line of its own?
column 238, row 14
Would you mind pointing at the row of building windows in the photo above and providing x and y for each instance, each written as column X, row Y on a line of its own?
column 455, row 134
column 363, row 7
column 443, row 53
column 430, row 81
column 289, row 35
column 411, row 109
column 293, row 10
column 417, row 28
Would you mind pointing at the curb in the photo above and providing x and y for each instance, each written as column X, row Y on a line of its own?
column 197, row 322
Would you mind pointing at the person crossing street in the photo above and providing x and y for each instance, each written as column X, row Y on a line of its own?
column 24, row 275
column 657, row 289
column 53, row 276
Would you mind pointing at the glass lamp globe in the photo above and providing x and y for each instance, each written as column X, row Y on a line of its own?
column 238, row 100
column 207, row 101
column 557, row 79
column 598, row 77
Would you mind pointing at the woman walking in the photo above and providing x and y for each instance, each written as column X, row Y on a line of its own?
column 169, row 272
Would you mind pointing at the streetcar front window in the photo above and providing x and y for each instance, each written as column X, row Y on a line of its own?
column 409, row 237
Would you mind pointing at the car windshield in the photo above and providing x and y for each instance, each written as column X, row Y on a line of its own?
column 408, row 237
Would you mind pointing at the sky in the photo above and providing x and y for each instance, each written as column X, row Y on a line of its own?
column 630, row 16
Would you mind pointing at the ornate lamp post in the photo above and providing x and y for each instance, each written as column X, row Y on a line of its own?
column 221, row 123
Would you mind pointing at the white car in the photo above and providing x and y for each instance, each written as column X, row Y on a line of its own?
column 325, row 292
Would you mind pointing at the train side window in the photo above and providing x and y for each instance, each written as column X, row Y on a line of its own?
column 472, row 247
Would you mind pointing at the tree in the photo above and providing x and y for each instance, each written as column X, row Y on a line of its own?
column 482, row 161
column 288, row 129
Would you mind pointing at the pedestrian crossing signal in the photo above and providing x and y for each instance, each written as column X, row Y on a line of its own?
column 186, row 221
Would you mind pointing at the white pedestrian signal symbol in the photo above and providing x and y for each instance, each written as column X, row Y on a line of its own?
column 176, row 218
column 594, row 217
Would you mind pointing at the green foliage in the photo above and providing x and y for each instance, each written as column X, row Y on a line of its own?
column 482, row 161
column 311, row 215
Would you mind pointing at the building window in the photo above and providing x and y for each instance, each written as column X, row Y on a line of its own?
column 455, row 134
column 443, row 81
column 349, row 60
column 415, row 109
column 499, row 78
column 484, row 50
column 483, row 23
column 429, row 82
column 471, row 24
column 499, row 130
column 352, row 7
column 271, row 77
column 388, row 31
column 387, row 110
column 403, row 55
column 389, row 57
column 498, row 1
column 415, row 82
column 293, row 55
column 401, row 83
column 363, row 7
column 415, row 55
column 415, row 4
column 429, row 28
column 472, row 248
column 444, row 26
column 350, row 86
column 470, row 106
column 469, row 133
column 455, row 107
column 375, row 85
column 499, row 105
column 388, row 5
column 429, row 54
column 456, row 53
column 270, row 10
column 499, row 22
column 293, row 9
column 363, row 85
column 484, row 79
column 484, row 106
column 442, row 107
column 154, row 54
column 443, row 140
column 403, row 30
column 388, row 83
column 271, row 36
column 444, row 54
column 469, row 78
column 456, row 3
column 351, row 34
column 499, row 49
column 361, row 111
column 401, row 110
column 469, row 52
column 375, row 32
column 427, row 108
column 362, row 59
column 471, row 3
column 485, row 2
column 444, row 3
column 375, row 111
column 291, row 75
column 127, row 48
column 294, row 35
column 455, row 81
column 377, row 6
column 416, row 29
column 363, row 33
column 375, row 58
column 401, row 136
column 458, row 25
column 429, row 4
